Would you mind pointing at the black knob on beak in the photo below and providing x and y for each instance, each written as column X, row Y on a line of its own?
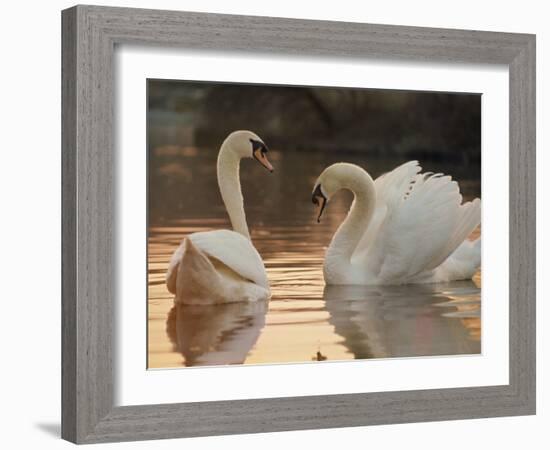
column 318, row 198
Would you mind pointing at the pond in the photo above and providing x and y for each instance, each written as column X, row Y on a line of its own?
column 305, row 321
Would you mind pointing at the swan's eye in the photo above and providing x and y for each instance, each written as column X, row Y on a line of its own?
column 258, row 146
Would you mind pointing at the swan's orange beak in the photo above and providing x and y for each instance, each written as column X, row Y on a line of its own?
column 261, row 157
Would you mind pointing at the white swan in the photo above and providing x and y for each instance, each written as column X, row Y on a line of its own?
column 405, row 227
column 223, row 266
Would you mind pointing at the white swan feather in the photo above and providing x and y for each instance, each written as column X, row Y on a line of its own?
column 228, row 247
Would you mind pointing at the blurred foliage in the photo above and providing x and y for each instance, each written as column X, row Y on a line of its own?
column 410, row 124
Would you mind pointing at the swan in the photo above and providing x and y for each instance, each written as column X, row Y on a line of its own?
column 405, row 227
column 222, row 266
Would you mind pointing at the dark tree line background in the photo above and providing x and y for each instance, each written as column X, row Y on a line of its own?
column 420, row 125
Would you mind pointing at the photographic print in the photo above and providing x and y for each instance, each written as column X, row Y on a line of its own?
column 293, row 224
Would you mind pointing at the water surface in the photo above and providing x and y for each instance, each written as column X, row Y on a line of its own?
column 304, row 320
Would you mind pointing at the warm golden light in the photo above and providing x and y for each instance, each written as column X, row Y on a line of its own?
column 304, row 321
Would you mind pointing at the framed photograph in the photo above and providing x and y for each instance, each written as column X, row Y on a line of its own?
column 335, row 219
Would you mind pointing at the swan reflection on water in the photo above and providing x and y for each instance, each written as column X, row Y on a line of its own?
column 368, row 321
column 409, row 320
column 222, row 334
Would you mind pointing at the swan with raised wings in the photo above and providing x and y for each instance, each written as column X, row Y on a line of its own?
column 223, row 266
column 405, row 227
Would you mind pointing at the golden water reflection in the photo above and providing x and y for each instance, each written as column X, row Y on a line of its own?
column 304, row 321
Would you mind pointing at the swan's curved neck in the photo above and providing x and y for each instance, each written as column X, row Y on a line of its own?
column 351, row 231
column 230, row 188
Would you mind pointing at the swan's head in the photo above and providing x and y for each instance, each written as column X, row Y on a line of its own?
column 336, row 177
column 246, row 144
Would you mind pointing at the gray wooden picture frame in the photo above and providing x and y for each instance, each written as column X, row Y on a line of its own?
column 90, row 34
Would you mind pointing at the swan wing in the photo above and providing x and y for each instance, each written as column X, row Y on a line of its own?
column 396, row 182
column 425, row 221
column 228, row 247
column 389, row 185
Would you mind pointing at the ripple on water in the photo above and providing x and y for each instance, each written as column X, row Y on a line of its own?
column 304, row 321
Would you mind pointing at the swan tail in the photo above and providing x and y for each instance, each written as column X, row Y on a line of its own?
column 189, row 257
column 172, row 271
column 468, row 220
column 476, row 257
column 195, row 275
column 469, row 252
column 171, row 277
column 463, row 263
column 171, row 282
